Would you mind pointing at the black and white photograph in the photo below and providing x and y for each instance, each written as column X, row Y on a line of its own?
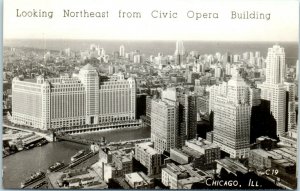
column 140, row 94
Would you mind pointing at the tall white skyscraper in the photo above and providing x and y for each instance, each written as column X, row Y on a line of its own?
column 122, row 51
column 179, row 48
column 273, row 89
column 232, row 112
column 275, row 69
column 179, row 53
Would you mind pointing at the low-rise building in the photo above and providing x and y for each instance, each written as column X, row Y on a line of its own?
column 115, row 163
column 138, row 180
column 230, row 165
column 278, row 164
column 209, row 151
column 149, row 157
column 261, row 159
column 199, row 152
column 182, row 176
column 187, row 183
column 179, row 156
column 171, row 174
column 84, row 178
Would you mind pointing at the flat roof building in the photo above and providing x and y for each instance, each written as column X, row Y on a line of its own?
column 138, row 180
column 149, row 157
column 84, row 99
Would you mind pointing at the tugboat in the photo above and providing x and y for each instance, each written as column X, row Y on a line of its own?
column 77, row 155
column 33, row 178
column 56, row 167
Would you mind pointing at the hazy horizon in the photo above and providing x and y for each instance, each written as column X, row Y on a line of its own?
column 153, row 47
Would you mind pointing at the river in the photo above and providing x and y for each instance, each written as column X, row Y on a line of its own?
column 19, row 166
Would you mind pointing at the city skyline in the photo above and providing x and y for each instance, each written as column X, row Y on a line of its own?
column 203, row 114
column 174, row 94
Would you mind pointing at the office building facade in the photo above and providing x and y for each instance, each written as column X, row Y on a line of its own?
column 83, row 99
column 232, row 112
column 164, row 124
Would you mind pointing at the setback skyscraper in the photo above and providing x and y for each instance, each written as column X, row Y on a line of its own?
column 122, row 51
column 232, row 112
column 179, row 53
column 273, row 88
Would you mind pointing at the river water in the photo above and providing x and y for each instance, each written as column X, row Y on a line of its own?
column 19, row 166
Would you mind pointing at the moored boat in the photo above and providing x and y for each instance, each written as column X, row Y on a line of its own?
column 33, row 178
column 77, row 155
column 55, row 167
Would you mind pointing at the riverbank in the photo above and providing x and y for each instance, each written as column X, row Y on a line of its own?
column 114, row 135
column 17, row 167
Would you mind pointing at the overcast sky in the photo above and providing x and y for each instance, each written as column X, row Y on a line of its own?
column 282, row 26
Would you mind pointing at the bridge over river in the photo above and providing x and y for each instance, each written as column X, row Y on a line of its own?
column 47, row 135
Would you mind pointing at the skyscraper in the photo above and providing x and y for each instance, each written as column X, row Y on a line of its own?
column 187, row 113
column 291, row 106
column 232, row 112
column 179, row 53
column 164, row 125
column 275, row 69
column 122, row 51
column 273, row 88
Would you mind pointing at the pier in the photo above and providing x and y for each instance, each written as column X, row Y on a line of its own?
column 99, row 127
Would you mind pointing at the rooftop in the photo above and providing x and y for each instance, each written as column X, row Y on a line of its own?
column 135, row 176
column 180, row 151
column 290, row 153
column 202, row 143
column 88, row 67
column 191, row 152
column 30, row 80
column 189, row 180
column 265, row 138
column 284, row 162
column 122, row 155
column 232, row 165
column 147, row 146
column 266, row 154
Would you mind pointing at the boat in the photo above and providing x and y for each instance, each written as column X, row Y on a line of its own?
column 42, row 142
column 29, row 146
column 20, row 147
column 81, row 159
column 33, row 178
column 56, row 167
column 40, row 185
column 77, row 155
